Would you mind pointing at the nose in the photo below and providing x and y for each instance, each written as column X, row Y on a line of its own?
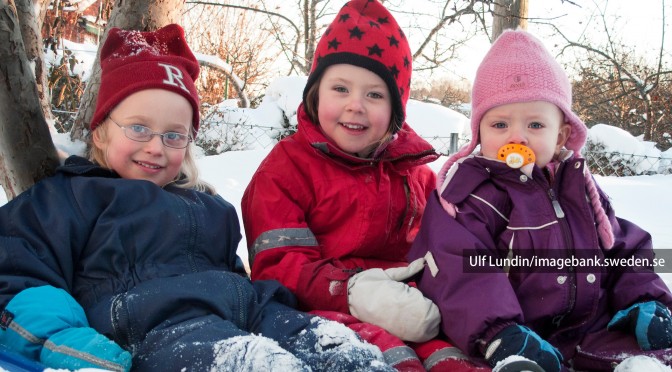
column 517, row 135
column 355, row 103
column 154, row 145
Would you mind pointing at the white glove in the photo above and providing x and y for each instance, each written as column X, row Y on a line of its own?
column 378, row 297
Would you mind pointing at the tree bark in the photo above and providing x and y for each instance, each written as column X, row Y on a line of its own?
column 509, row 14
column 141, row 15
column 31, row 26
column 27, row 153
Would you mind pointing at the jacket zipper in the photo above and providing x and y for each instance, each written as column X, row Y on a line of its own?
column 407, row 191
column 193, row 226
column 560, row 214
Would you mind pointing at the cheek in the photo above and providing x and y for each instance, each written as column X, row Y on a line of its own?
column 489, row 145
column 327, row 112
column 176, row 158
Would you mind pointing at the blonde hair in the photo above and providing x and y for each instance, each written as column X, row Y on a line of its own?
column 313, row 99
column 187, row 178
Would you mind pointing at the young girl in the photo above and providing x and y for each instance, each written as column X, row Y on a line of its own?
column 587, row 317
column 332, row 210
column 130, row 260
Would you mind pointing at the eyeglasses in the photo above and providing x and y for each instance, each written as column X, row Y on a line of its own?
column 141, row 133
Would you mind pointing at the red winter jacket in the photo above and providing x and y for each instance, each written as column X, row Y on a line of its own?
column 315, row 215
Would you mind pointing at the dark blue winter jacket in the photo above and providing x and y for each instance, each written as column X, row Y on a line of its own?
column 137, row 257
column 96, row 235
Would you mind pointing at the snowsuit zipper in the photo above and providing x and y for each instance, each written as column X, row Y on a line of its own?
column 560, row 214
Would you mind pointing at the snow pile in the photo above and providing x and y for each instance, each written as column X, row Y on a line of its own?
column 641, row 363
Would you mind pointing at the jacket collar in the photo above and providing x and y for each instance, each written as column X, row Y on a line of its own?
column 79, row 166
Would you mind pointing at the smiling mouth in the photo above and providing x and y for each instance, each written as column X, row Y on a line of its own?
column 353, row 126
column 148, row 165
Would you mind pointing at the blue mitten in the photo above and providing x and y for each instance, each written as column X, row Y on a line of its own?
column 84, row 347
column 46, row 323
column 650, row 322
column 520, row 340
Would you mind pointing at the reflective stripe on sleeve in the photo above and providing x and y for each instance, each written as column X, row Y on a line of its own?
column 399, row 354
column 279, row 238
column 443, row 354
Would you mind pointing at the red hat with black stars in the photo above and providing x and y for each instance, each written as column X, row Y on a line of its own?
column 131, row 61
column 366, row 35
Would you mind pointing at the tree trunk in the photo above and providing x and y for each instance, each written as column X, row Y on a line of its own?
column 509, row 14
column 142, row 15
column 27, row 153
column 31, row 26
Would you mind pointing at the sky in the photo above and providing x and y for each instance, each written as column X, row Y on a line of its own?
column 638, row 24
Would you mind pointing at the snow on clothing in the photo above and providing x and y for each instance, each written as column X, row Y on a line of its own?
column 500, row 211
column 155, row 269
column 315, row 216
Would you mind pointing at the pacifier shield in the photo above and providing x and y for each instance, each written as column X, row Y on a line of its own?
column 515, row 155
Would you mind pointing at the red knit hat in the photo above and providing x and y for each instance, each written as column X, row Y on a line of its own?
column 366, row 35
column 132, row 61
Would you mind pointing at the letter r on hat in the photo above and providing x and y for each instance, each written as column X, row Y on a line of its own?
column 174, row 76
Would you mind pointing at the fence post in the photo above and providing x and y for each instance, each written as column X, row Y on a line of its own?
column 453, row 143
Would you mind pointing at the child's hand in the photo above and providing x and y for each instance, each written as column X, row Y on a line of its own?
column 520, row 340
column 46, row 324
column 379, row 297
column 650, row 322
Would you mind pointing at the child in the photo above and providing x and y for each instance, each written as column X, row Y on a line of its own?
column 332, row 210
column 130, row 258
column 552, row 208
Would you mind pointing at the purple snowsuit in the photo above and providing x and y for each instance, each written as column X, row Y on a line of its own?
column 500, row 212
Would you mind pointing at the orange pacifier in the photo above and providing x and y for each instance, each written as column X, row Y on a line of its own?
column 515, row 155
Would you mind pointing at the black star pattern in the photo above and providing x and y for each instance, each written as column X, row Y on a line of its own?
column 401, row 92
column 356, row 32
column 344, row 17
column 334, row 43
column 383, row 20
column 401, row 32
column 393, row 41
column 406, row 62
column 319, row 59
column 328, row 31
column 394, row 71
column 374, row 24
column 375, row 49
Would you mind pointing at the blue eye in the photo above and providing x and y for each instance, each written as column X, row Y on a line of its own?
column 536, row 125
column 139, row 129
column 499, row 125
column 173, row 136
column 174, row 139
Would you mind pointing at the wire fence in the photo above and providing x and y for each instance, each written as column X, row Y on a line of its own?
column 218, row 137
column 604, row 163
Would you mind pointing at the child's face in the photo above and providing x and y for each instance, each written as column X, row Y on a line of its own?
column 159, row 110
column 354, row 109
column 537, row 125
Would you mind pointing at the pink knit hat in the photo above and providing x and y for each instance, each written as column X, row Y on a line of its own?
column 518, row 68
